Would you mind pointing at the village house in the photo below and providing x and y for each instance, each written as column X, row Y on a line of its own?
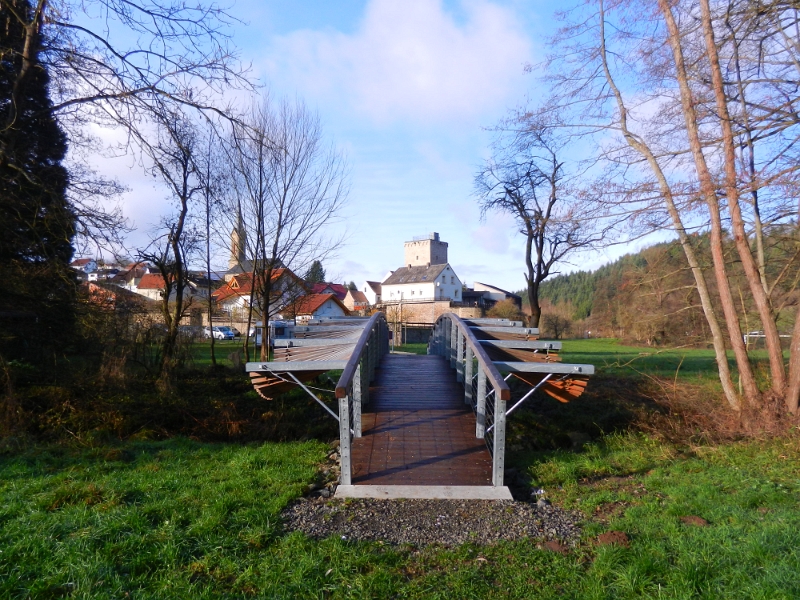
column 372, row 291
column 84, row 265
column 496, row 294
column 234, row 296
column 315, row 306
column 337, row 289
column 426, row 276
column 151, row 285
column 356, row 300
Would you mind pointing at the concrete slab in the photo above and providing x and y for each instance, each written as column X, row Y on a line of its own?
column 424, row 492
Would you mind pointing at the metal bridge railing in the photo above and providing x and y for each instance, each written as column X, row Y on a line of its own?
column 352, row 390
column 484, row 388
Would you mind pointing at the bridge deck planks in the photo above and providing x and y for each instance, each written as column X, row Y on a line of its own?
column 417, row 429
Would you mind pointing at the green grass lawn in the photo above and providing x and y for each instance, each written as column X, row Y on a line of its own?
column 614, row 358
column 184, row 519
column 180, row 519
column 413, row 348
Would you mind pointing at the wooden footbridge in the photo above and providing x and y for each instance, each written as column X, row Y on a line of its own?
column 421, row 426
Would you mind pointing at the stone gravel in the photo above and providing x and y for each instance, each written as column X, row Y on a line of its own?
column 424, row 522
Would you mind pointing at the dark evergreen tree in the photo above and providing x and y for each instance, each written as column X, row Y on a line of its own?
column 37, row 289
column 315, row 274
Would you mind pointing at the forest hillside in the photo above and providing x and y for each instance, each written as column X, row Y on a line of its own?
column 650, row 296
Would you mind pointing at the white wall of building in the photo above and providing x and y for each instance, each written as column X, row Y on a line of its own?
column 447, row 286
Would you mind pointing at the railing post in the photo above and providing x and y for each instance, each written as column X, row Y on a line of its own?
column 499, row 454
column 480, row 410
column 358, row 381
column 468, row 376
column 453, row 343
column 344, row 440
column 460, row 356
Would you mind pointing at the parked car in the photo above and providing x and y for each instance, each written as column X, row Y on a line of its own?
column 219, row 333
column 236, row 332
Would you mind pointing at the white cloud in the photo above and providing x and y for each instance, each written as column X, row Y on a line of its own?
column 410, row 60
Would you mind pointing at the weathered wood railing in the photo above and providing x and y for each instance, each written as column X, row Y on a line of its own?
column 352, row 390
column 453, row 339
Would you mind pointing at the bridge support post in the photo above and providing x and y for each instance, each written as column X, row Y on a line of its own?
column 468, row 376
column 459, row 354
column 480, row 411
column 344, row 441
column 499, row 450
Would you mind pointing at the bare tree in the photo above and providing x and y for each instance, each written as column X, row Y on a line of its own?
column 695, row 126
column 173, row 157
column 290, row 186
column 527, row 179
column 111, row 62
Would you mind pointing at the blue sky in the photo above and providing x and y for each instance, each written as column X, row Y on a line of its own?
column 406, row 90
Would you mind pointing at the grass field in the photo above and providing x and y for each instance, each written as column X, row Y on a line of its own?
column 182, row 519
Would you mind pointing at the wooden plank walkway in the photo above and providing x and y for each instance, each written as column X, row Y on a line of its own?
column 417, row 429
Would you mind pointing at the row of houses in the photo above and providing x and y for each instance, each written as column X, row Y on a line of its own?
column 426, row 278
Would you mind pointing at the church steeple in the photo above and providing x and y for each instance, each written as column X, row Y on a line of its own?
column 238, row 242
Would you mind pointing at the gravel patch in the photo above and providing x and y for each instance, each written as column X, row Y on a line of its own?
column 423, row 522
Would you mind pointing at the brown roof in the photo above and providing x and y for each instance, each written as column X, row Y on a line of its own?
column 79, row 262
column 358, row 297
column 420, row 274
column 375, row 285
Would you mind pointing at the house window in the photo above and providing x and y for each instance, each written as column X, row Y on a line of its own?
column 420, row 292
column 444, row 278
column 456, row 293
column 452, row 280
column 412, row 292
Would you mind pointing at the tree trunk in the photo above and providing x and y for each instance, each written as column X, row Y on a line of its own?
column 706, row 302
column 771, row 337
column 708, row 191
column 530, row 279
column 793, row 389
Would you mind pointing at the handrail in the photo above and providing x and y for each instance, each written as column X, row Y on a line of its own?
column 355, row 358
column 492, row 374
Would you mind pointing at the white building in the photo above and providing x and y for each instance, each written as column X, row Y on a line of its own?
column 372, row 290
column 426, row 276
column 422, row 283
column 495, row 293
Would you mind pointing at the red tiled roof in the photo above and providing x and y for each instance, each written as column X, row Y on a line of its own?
column 242, row 285
column 339, row 290
column 151, row 281
column 308, row 305
column 79, row 262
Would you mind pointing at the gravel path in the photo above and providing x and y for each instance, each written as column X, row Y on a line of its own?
column 422, row 522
